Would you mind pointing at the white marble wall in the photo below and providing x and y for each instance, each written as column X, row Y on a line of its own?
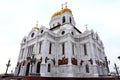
column 72, row 37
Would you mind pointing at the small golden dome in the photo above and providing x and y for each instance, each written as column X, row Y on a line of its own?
column 36, row 28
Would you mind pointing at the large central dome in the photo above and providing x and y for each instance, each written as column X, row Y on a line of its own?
column 61, row 11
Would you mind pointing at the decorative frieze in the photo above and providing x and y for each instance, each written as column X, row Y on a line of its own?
column 74, row 61
column 63, row 61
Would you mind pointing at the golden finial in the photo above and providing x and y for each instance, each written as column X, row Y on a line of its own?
column 37, row 23
column 66, row 4
column 86, row 27
column 36, row 27
column 62, row 6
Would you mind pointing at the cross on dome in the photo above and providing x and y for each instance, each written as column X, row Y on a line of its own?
column 64, row 9
column 36, row 27
column 62, row 5
column 86, row 28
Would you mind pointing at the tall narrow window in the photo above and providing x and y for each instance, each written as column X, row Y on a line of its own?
column 63, row 19
column 85, row 49
column 38, row 68
column 63, row 50
column 40, row 47
column 72, row 48
column 50, row 47
column 70, row 19
column 22, row 52
column 19, row 70
column 49, row 67
column 30, row 50
column 87, row 68
column 27, row 69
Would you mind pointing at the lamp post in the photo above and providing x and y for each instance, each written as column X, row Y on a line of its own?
column 119, row 59
column 107, row 62
column 116, row 68
column 8, row 65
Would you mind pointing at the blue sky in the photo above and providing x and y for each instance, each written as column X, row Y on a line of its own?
column 18, row 17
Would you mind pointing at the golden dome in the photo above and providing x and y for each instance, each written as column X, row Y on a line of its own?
column 66, row 10
column 36, row 28
column 61, row 11
column 56, row 14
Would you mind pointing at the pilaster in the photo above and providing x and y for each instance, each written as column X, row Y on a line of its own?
column 94, row 66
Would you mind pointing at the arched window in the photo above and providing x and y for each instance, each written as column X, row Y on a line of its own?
column 38, row 67
column 32, row 35
column 40, row 43
column 27, row 69
column 19, row 70
column 85, row 49
column 87, row 68
column 41, row 31
column 70, row 20
column 63, row 19
column 50, row 48
column 49, row 66
column 63, row 32
column 73, row 48
column 63, row 48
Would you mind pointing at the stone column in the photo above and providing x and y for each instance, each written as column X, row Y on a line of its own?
column 95, row 71
column 68, row 50
column 44, row 49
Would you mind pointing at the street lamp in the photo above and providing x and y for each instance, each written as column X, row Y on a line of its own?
column 8, row 65
column 116, row 68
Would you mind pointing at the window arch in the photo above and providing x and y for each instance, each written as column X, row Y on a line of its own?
column 63, row 19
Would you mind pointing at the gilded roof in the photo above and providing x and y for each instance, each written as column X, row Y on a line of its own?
column 61, row 12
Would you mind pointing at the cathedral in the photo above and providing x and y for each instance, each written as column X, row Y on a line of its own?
column 62, row 50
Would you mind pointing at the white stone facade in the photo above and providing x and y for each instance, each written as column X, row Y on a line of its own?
column 62, row 50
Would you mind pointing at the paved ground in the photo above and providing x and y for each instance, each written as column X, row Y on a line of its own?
column 6, row 77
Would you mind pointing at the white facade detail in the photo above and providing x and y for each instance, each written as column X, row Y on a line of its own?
column 62, row 50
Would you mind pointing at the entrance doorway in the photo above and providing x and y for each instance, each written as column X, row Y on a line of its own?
column 19, row 70
column 38, row 68
column 27, row 69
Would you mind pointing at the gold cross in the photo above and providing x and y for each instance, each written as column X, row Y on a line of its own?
column 62, row 5
column 37, row 23
column 66, row 4
column 86, row 27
